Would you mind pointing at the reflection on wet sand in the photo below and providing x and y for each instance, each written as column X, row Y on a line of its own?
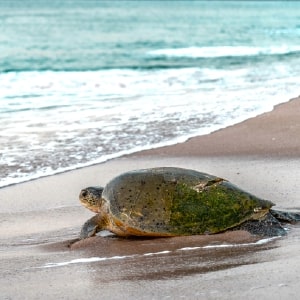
column 110, row 259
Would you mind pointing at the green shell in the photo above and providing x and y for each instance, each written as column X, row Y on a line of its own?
column 179, row 201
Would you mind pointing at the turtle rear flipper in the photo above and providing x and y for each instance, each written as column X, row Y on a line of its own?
column 285, row 216
column 268, row 226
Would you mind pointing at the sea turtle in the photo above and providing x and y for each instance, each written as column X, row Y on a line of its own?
column 163, row 202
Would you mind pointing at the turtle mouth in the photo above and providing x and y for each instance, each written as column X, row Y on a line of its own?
column 90, row 206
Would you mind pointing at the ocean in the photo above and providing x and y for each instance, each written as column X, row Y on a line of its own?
column 82, row 82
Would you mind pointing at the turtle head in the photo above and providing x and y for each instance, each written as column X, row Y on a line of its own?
column 91, row 198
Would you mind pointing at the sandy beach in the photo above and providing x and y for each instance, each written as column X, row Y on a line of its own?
column 42, row 218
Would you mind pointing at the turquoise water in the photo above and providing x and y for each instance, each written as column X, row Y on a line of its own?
column 97, row 35
column 84, row 81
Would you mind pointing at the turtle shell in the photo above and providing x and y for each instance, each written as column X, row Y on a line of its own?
column 175, row 201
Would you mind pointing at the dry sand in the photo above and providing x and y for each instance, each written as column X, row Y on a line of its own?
column 39, row 219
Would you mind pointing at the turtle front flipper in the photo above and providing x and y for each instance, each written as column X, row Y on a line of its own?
column 91, row 227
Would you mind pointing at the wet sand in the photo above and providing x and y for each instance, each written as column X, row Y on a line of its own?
column 40, row 219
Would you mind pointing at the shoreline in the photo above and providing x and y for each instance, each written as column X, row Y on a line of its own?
column 271, row 134
column 41, row 217
column 216, row 142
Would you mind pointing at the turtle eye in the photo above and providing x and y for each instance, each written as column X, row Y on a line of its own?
column 84, row 193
